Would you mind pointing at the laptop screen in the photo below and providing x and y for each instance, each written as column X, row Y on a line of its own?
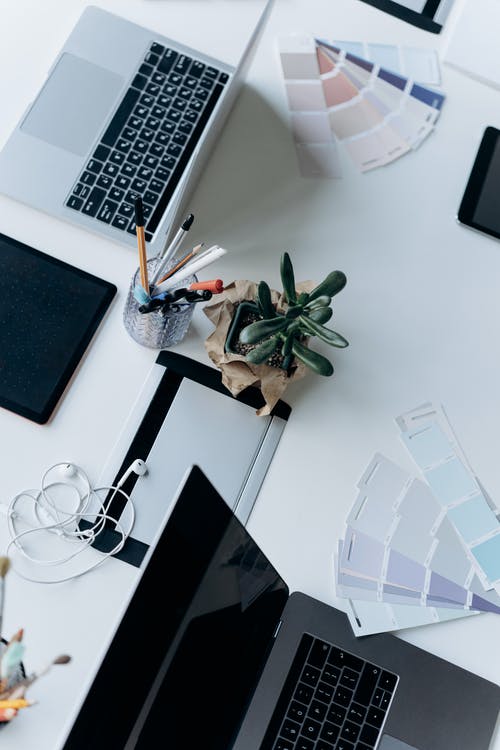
column 190, row 648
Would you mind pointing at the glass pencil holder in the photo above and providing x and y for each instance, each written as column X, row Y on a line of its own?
column 166, row 325
column 15, row 677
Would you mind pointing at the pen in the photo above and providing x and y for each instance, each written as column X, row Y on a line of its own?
column 169, row 251
column 211, row 255
column 181, row 263
column 141, row 243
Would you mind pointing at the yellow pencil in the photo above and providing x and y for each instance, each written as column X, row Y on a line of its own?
column 141, row 243
column 18, row 703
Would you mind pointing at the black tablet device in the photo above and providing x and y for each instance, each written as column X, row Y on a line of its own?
column 49, row 311
column 480, row 206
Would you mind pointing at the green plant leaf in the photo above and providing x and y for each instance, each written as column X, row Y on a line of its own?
column 303, row 298
column 264, row 300
column 313, row 360
column 322, row 301
column 286, row 349
column 332, row 285
column 321, row 314
column 263, row 351
column 262, row 329
column 288, row 279
column 325, row 334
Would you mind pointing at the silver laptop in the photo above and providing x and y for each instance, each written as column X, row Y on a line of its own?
column 123, row 112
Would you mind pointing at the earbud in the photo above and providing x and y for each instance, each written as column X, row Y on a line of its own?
column 68, row 470
column 138, row 467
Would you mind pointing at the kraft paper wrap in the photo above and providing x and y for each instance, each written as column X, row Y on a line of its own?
column 237, row 373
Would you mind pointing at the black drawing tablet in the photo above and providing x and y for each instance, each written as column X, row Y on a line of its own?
column 49, row 311
column 479, row 206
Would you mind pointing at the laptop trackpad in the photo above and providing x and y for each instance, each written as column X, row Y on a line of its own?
column 73, row 105
column 391, row 743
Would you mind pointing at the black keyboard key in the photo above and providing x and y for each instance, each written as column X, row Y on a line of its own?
column 120, row 117
column 350, row 731
column 122, row 182
column 158, row 112
column 342, row 696
column 330, row 674
column 105, row 181
column 175, row 79
column 170, row 90
column 167, row 62
column 146, row 210
column 343, row 659
column 185, row 93
column 147, row 100
column 151, row 58
column 141, row 111
column 367, row 684
column 150, row 197
column 74, row 202
column 110, row 169
column 139, row 81
column 344, row 745
column 82, row 190
column 135, row 157
column 190, row 115
column 94, row 201
column 131, row 196
column 377, row 696
column 369, row 735
column 282, row 744
column 304, row 744
column 387, row 681
column 330, row 732
column 197, row 69
column 303, row 693
column 135, row 122
column 164, row 100
column 174, row 115
column 290, row 729
column 162, row 174
column 94, row 166
column 141, row 146
column 147, row 135
column 107, row 211
column 179, row 138
column 150, row 161
column 190, row 82
column 310, row 729
column 117, row 157
column 153, row 123
column 145, row 173
column 157, row 48
column 386, row 699
column 207, row 83
column 156, row 149
column 131, row 227
column 202, row 94
column 88, row 178
column 115, row 194
column 375, row 716
column 129, row 134
column 211, row 72
column 174, row 150
column 159, row 78
column 324, row 692
column 156, row 185
column 182, row 64
column 223, row 78
column 146, row 69
column 123, row 147
column 127, row 209
column 179, row 103
column 356, row 713
column 317, row 710
column 101, row 152
column 167, row 127
column 336, row 715
column 322, row 745
column 153, row 89
column 196, row 104
column 139, row 185
column 296, row 712
column 362, row 746
column 128, row 170
column 310, row 675
column 168, row 162
column 162, row 138
column 120, row 222
column 349, row 678
column 185, row 127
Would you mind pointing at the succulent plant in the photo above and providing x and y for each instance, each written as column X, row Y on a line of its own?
column 303, row 317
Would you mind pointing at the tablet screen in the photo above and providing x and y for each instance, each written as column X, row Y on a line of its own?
column 49, row 311
column 479, row 206
column 487, row 213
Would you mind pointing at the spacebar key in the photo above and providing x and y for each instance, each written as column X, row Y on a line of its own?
column 120, row 117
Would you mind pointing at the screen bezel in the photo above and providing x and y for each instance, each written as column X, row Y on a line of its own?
column 475, row 184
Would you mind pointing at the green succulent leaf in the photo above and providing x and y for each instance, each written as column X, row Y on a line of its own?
column 286, row 349
column 288, row 278
column 264, row 300
column 321, row 314
column 262, row 351
column 262, row 329
column 294, row 311
column 325, row 334
column 315, row 361
column 332, row 285
column 303, row 298
column 322, row 301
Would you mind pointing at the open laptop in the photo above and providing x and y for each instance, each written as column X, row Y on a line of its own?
column 213, row 653
column 123, row 112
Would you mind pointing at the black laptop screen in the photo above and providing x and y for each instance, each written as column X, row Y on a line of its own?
column 189, row 650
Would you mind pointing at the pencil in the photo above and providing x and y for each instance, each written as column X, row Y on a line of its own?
column 18, row 703
column 181, row 263
column 141, row 243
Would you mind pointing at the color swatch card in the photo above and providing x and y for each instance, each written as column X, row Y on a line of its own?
column 337, row 96
column 420, row 64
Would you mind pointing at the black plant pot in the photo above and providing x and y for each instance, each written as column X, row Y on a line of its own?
column 243, row 309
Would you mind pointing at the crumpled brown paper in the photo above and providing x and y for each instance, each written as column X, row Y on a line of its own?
column 237, row 373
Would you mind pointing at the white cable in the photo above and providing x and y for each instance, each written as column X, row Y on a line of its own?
column 51, row 518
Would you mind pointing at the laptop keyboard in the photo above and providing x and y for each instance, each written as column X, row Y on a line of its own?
column 331, row 700
column 146, row 146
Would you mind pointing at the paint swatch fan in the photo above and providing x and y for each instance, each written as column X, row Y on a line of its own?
column 336, row 97
column 416, row 552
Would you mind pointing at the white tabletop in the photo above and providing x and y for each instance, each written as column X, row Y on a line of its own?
column 420, row 309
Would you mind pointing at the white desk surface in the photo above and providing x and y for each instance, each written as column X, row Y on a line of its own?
column 421, row 310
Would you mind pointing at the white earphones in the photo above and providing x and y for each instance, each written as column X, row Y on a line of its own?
column 65, row 500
